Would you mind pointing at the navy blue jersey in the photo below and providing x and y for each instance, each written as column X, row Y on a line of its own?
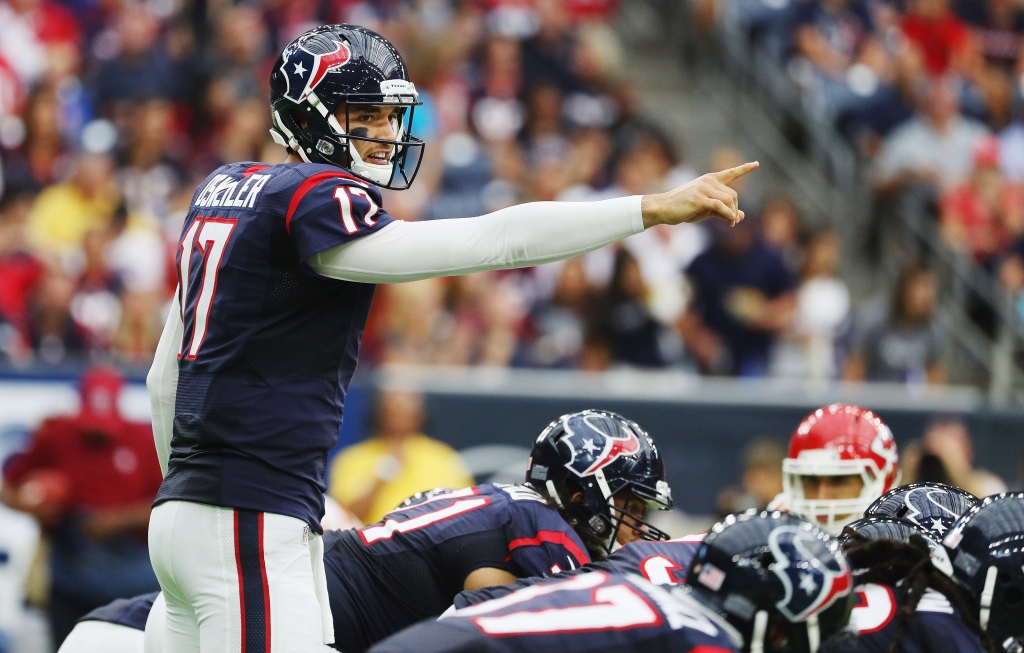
column 596, row 612
column 935, row 627
column 269, row 347
column 131, row 613
column 662, row 563
column 410, row 565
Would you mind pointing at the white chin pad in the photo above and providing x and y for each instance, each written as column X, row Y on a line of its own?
column 378, row 173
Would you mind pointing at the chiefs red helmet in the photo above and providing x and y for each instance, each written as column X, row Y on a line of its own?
column 839, row 440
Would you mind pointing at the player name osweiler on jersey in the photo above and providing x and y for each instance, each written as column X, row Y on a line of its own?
column 226, row 190
column 269, row 346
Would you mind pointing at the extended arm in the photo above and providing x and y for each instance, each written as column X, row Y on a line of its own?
column 524, row 235
column 519, row 236
column 471, row 596
column 162, row 383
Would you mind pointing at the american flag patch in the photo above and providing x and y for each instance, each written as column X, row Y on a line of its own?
column 711, row 577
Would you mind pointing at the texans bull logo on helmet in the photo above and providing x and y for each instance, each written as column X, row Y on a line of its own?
column 924, row 510
column 303, row 68
column 599, row 447
column 812, row 576
column 931, row 507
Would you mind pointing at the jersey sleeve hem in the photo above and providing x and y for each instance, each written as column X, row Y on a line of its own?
column 308, row 252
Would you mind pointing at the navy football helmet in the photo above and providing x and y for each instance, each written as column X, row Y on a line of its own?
column 987, row 549
column 599, row 454
column 781, row 581
column 885, row 528
column 344, row 66
column 888, row 528
column 931, row 507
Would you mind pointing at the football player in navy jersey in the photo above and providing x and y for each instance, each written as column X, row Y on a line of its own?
column 905, row 599
column 988, row 559
column 410, row 565
column 276, row 270
column 760, row 582
column 604, row 474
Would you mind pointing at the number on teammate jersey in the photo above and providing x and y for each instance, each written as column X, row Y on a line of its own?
column 659, row 570
column 211, row 236
column 457, row 506
column 613, row 607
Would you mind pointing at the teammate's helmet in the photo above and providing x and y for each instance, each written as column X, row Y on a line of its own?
column 931, row 507
column 987, row 549
column 887, row 528
column 839, row 440
column 600, row 454
column 346, row 66
column 782, row 582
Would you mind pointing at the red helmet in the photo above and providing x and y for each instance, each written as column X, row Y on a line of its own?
column 839, row 440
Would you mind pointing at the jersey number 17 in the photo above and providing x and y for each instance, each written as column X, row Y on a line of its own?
column 210, row 236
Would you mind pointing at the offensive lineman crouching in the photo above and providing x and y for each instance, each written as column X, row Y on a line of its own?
column 739, row 597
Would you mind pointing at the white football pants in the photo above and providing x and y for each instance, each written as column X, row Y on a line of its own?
column 102, row 637
column 239, row 581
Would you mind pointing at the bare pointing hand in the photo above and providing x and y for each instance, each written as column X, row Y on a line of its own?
column 707, row 196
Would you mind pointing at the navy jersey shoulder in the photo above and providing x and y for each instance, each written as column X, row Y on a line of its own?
column 595, row 612
column 269, row 347
column 410, row 565
column 536, row 540
column 131, row 613
column 935, row 627
column 662, row 563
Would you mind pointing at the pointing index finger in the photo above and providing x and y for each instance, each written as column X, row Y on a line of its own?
column 732, row 174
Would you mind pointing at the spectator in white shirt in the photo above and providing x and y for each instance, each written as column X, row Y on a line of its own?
column 934, row 147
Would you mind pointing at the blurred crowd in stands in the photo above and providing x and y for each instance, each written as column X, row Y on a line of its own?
column 930, row 93
column 112, row 112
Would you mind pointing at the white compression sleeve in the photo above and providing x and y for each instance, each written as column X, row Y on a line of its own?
column 519, row 236
column 162, row 383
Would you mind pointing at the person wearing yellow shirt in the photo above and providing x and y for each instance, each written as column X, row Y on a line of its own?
column 371, row 478
column 64, row 212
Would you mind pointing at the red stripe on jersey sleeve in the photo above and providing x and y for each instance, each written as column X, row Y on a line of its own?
column 308, row 185
column 554, row 537
column 254, row 168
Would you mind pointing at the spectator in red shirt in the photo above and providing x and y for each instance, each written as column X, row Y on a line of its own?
column 936, row 32
column 90, row 480
column 20, row 274
column 984, row 216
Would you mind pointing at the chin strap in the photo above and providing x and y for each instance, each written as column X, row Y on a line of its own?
column 553, row 493
column 986, row 596
column 612, row 541
column 759, row 632
column 813, row 633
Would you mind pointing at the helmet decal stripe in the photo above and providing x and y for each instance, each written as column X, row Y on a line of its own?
column 614, row 445
column 324, row 63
